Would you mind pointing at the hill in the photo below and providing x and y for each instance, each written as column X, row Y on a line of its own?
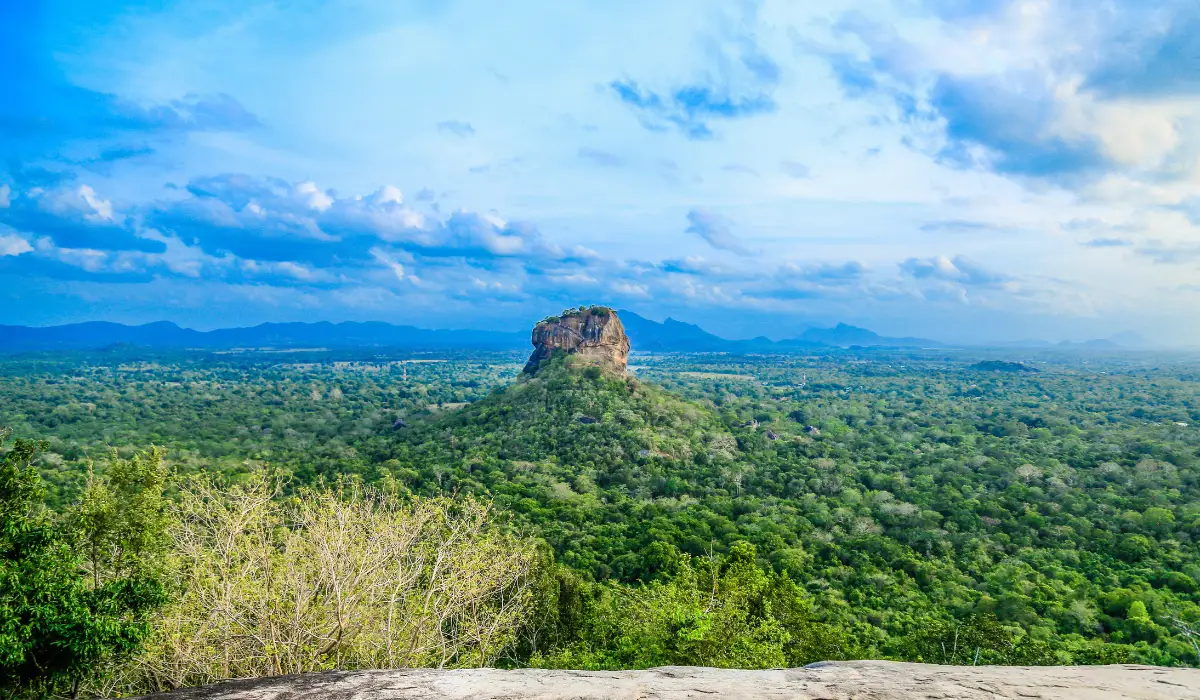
column 901, row 531
column 670, row 335
column 844, row 335
column 568, row 449
column 676, row 336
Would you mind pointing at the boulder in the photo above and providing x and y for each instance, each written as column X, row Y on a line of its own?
column 594, row 335
column 836, row 680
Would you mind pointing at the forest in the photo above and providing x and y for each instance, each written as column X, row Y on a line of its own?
column 949, row 506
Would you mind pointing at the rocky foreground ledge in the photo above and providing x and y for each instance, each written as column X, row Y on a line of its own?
column 843, row 680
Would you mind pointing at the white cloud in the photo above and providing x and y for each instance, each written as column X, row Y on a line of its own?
column 390, row 262
column 12, row 244
column 836, row 180
column 716, row 230
column 316, row 198
column 101, row 209
column 84, row 258
column 1136, row 133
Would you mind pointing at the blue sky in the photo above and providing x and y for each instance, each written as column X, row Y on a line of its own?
column 967, row 170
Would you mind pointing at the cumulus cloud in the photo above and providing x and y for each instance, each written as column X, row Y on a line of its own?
column 1056, row 92
column 73, row 216
column 243, row 233
column 960, row 270
column 12, row 244
column 241, row 229
column 716, row 230
column 1152, row 53
column 824, row 272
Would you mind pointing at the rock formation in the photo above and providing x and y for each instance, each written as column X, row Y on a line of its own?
column 838, row 680
column 592, row 334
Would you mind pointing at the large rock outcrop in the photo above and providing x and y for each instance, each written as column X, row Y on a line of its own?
column 593, row 334
column 839, row 680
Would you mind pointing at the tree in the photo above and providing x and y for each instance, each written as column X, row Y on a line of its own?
column 58, row 623
column 1160, row 521
column 712, row 611
column 123, row 517
column 1189, row 632
column 977, row 638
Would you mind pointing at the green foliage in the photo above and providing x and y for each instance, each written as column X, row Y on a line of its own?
column 979, row 639
column 1002, row 366
column 58, row 625
column 582, row 311
column 123, row 517
column 230, row 414
column 725, row 612
column 926, row 492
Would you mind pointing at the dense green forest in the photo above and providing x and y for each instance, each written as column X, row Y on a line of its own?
column 845, row 504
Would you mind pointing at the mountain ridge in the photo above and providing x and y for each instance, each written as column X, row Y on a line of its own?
column 168, row 335
column 670, row 335
column 677, row 336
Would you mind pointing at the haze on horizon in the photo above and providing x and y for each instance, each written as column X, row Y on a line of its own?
column 964, row 170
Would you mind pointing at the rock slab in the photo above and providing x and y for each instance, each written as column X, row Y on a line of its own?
column 841, row 680
column 594, row 335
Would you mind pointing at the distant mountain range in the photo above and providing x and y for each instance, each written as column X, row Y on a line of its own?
column 644, row 335
column 167, row 335
column 1121, row 341
column 677, row 336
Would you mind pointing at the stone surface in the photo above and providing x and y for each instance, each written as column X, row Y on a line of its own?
column 842, row 680
column 594, row 335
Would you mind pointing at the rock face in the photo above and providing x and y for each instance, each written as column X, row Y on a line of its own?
column 839, row 680
column 593, row 334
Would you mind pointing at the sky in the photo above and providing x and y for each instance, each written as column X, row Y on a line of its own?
column 965, row 170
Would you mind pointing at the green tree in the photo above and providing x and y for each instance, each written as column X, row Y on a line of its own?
column 57, row 625
column 979, row 638
column 724, row 612
column 1160, row 521
column 122, row 518
column 1137, row 612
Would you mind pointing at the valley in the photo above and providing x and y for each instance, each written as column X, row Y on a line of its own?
column 903, row 496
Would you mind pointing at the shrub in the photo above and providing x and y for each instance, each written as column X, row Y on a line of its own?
column 331, row 579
